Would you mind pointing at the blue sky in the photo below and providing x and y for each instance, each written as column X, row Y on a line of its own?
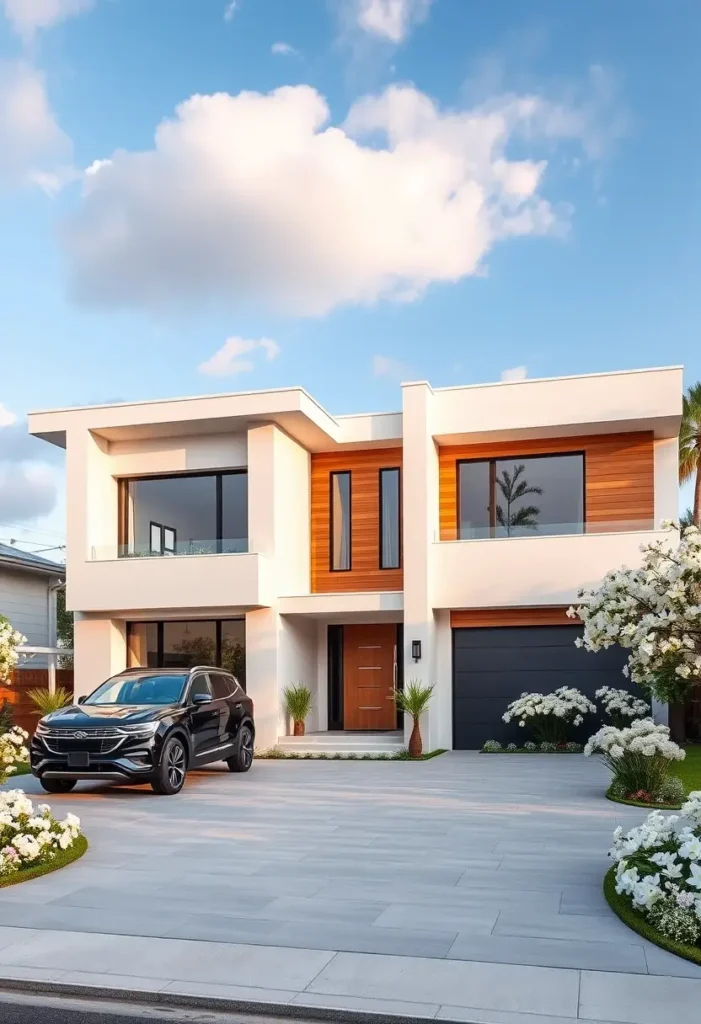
column 489, row 187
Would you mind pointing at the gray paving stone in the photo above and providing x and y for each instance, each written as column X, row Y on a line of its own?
column 457, row 896
column 126, row 982
column 506, row 949
column 659, row 961
column 577, row 927
column 222, row 928
column 477, row 920
column 474, row 1015
column 364, row 939
column 488, row 986
column 641, row 1000
column 89, row 919
column 209, row 990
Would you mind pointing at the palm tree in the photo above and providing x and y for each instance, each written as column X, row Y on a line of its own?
column 513, row 489
column 690, row 445
column 413, row 701
column 686, row 519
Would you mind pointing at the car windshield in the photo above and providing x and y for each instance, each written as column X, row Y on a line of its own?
column 145, row 689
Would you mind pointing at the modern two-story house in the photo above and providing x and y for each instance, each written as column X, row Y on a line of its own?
column 443, row 542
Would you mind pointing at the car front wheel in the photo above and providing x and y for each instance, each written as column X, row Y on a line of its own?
column 169, row 778
column 243, row 757
column 57, row 785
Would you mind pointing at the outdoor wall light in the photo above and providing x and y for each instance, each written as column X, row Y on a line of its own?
column 416, row 650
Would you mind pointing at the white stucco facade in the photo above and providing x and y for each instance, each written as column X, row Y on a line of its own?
column 274, row 435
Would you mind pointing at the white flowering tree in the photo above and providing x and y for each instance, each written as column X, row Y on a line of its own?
column 10, row 640
column 655, row 613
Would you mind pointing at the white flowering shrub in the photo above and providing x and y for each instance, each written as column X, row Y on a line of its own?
column 639, row 757
column 550, row 716
column 655, row 613
column 658, row 870
column 621, row 706
column 492, row 747
column 12, row 751
column 10, row 640
column 31, row 837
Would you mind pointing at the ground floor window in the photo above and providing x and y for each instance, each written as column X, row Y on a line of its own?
column 183, row 644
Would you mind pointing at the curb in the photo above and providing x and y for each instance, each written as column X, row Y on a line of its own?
column 215, row 1004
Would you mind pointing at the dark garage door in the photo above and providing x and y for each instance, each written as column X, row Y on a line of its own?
column 493, row 666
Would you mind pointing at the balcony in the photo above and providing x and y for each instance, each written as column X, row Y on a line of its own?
column 200, row 579
column 535, row 569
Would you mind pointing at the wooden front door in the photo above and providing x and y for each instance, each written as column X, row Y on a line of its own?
column 369, row 667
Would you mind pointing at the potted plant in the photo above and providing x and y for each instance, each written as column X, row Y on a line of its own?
column 413, row 700
column 298, row 703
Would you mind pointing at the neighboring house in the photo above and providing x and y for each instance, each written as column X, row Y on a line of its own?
column 28, row 585
column 443, row 542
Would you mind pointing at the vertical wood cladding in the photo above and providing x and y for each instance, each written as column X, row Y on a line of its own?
column 618, row 474
column 365, row 573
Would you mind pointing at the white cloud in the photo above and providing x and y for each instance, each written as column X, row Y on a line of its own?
column 227, row 360
column 33, row 149
column 391, row 19
column 6, row 416
column 257, row 198
column 514, row 373
column 27, row 16
column 230, row 10
column 385, row 366
column 284, row 50
column 27, row 492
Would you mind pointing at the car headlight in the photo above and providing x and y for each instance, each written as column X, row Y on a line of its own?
column 42, row 728
column 142, row 731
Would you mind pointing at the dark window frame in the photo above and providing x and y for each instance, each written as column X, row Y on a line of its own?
column 492, row 463
column 332, row 474
column 160, row 636
column 123, row 500
column 398, row 471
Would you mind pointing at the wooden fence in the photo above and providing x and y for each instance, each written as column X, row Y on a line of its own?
column 24, row 712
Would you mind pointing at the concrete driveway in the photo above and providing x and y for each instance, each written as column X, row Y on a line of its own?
column 467, row 887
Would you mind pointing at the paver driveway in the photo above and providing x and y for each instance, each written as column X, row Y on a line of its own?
column 486, row 860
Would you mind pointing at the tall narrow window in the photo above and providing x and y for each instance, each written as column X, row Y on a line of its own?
column 389, row 519
column 340, row 521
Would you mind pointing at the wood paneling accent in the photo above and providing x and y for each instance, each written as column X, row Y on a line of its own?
column 369, row 658
column 365, row 573
column 618, row 472
column 23, row 710
column 476, row 617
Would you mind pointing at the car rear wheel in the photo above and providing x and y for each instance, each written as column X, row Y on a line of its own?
column 57, row 785
column 243, row 758
column 169, row 778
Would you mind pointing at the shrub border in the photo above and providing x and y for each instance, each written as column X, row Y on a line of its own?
column 521, row 750
column 638, row 923
column 62, row 859
column 639, row 803
column 265, row 755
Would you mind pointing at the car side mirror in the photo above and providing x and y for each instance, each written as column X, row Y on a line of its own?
column 202, row 698
column 81, row 700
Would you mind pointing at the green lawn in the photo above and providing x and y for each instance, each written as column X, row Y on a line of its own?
column 689, row 770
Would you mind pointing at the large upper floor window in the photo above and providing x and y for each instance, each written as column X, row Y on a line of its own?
column 521, row 496
column 340, row 553
column 188, row 643
column 389, row 519
column 194, row 514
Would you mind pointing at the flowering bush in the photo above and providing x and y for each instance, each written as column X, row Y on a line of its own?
column 653, row 611
column 492, row 747
column 658, row 869
column 29, row 837
column 638, row 756
column 549, row 716
column 12, row 751
column 621, row 706
column 10, row 640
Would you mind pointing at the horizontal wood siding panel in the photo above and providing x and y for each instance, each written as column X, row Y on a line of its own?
column 619, row 474
column 365, row 573
column 481, row 617
column 15, row 693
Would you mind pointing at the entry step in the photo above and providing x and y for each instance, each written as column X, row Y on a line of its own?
column 343, row 743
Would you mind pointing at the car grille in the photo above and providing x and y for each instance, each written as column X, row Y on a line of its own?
column 98, row 741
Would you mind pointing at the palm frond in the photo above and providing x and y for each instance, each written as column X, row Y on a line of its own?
column 690, row 433
column 414, row 698
column 45, row 702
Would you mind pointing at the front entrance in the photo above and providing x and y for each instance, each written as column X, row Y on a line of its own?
column 370, row 662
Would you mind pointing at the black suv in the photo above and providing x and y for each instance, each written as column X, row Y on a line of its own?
column 146, row 725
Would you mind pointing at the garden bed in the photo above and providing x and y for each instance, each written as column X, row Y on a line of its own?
column 641, row 803
column 637, row 922
column 62, row 859
column 284, row 755
column 491, row 747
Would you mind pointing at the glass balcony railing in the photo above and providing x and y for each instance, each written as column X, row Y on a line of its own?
column 223, row 546
column 497, row 532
